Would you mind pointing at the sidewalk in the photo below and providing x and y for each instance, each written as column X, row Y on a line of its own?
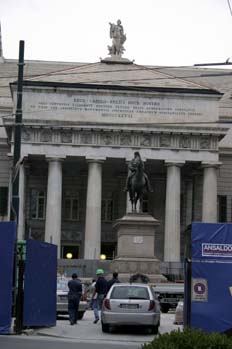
column 85, row 330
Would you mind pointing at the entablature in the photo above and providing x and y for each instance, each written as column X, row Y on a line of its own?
column 153, row 138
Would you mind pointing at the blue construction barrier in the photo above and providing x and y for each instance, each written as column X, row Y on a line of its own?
column 208, row 291
column 211, row 296
column 40, row 284
column 7, row 244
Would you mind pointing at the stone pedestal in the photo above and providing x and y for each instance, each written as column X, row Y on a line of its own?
column 135, row 248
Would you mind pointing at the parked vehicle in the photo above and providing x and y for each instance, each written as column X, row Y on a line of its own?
column 130, row 304
column 62, row 298
column 169, row 294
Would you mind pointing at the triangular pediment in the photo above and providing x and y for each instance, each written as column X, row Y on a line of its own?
column 131, row 75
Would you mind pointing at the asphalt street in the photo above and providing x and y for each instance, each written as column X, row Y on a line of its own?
column 85, row 335
column 25, row 342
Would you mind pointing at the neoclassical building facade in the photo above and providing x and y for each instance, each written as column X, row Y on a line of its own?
column 82, row 123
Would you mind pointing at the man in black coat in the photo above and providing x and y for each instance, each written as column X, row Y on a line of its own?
column 74, row 296
column 112, row 281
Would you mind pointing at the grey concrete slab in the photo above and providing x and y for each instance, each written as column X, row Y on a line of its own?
column 86, row 331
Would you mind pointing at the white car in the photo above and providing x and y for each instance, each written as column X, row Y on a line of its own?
column 130, row 304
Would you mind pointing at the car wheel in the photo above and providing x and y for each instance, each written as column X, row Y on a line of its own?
column 80, row 315
column 155, row 329
column 164, row 308
column 105, row 328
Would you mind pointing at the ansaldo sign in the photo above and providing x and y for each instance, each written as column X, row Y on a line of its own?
column 216, row 250
column 211, row 241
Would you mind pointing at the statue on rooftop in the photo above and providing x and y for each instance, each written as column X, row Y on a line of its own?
column 118, row 38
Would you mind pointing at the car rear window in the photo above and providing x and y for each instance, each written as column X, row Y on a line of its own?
column 129, row 292
column 62, row 285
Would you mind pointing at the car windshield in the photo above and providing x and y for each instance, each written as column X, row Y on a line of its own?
column 62, row 285
column 129, row 292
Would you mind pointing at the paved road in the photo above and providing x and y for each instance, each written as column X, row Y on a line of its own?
column 84, row 335
column 25, row 342
column 87, row 331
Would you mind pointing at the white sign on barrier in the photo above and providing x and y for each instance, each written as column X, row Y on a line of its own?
column 199, row 290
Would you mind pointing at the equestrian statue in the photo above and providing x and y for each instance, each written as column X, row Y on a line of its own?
column 137, row 182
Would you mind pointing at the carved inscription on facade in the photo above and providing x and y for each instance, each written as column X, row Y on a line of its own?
column 118, row 107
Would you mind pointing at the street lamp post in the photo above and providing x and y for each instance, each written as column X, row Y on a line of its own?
column 14, row 214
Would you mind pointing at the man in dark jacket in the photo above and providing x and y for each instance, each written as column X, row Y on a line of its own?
column 74, row 296
column 99, row 294
column 112, row 281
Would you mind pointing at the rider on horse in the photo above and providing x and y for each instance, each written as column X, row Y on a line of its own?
column 132, row 167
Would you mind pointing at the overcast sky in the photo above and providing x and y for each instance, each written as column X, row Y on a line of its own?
column 159, row 32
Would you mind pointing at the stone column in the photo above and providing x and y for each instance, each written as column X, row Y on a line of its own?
column 209, row 202
column 54, row 203
column 93, row 210
column 21, row 218
column 189, row 201
column 172, row 213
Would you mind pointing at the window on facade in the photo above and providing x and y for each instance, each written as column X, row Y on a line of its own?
column 109, row 249
column 71, row 208
column 3, row 201
column 222, row 208
column 107, row 210
column 37, row 204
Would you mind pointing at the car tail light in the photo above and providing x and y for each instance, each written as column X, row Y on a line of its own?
column 107, row 303
column 151, row 305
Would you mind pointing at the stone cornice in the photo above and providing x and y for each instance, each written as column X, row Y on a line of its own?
column 165, row 127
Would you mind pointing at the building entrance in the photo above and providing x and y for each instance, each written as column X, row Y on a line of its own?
column 70, row 252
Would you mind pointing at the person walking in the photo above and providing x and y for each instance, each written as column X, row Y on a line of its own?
column 99, row 294
column 89, row 293
column 74, row 296
column 112, row 281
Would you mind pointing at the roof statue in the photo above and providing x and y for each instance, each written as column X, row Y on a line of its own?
column 116, row 49
column 118, row 38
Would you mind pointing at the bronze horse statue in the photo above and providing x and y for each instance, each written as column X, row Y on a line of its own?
column 137, row 185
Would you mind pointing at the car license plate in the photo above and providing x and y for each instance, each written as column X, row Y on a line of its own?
column 63, row 297
column 129, row 306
